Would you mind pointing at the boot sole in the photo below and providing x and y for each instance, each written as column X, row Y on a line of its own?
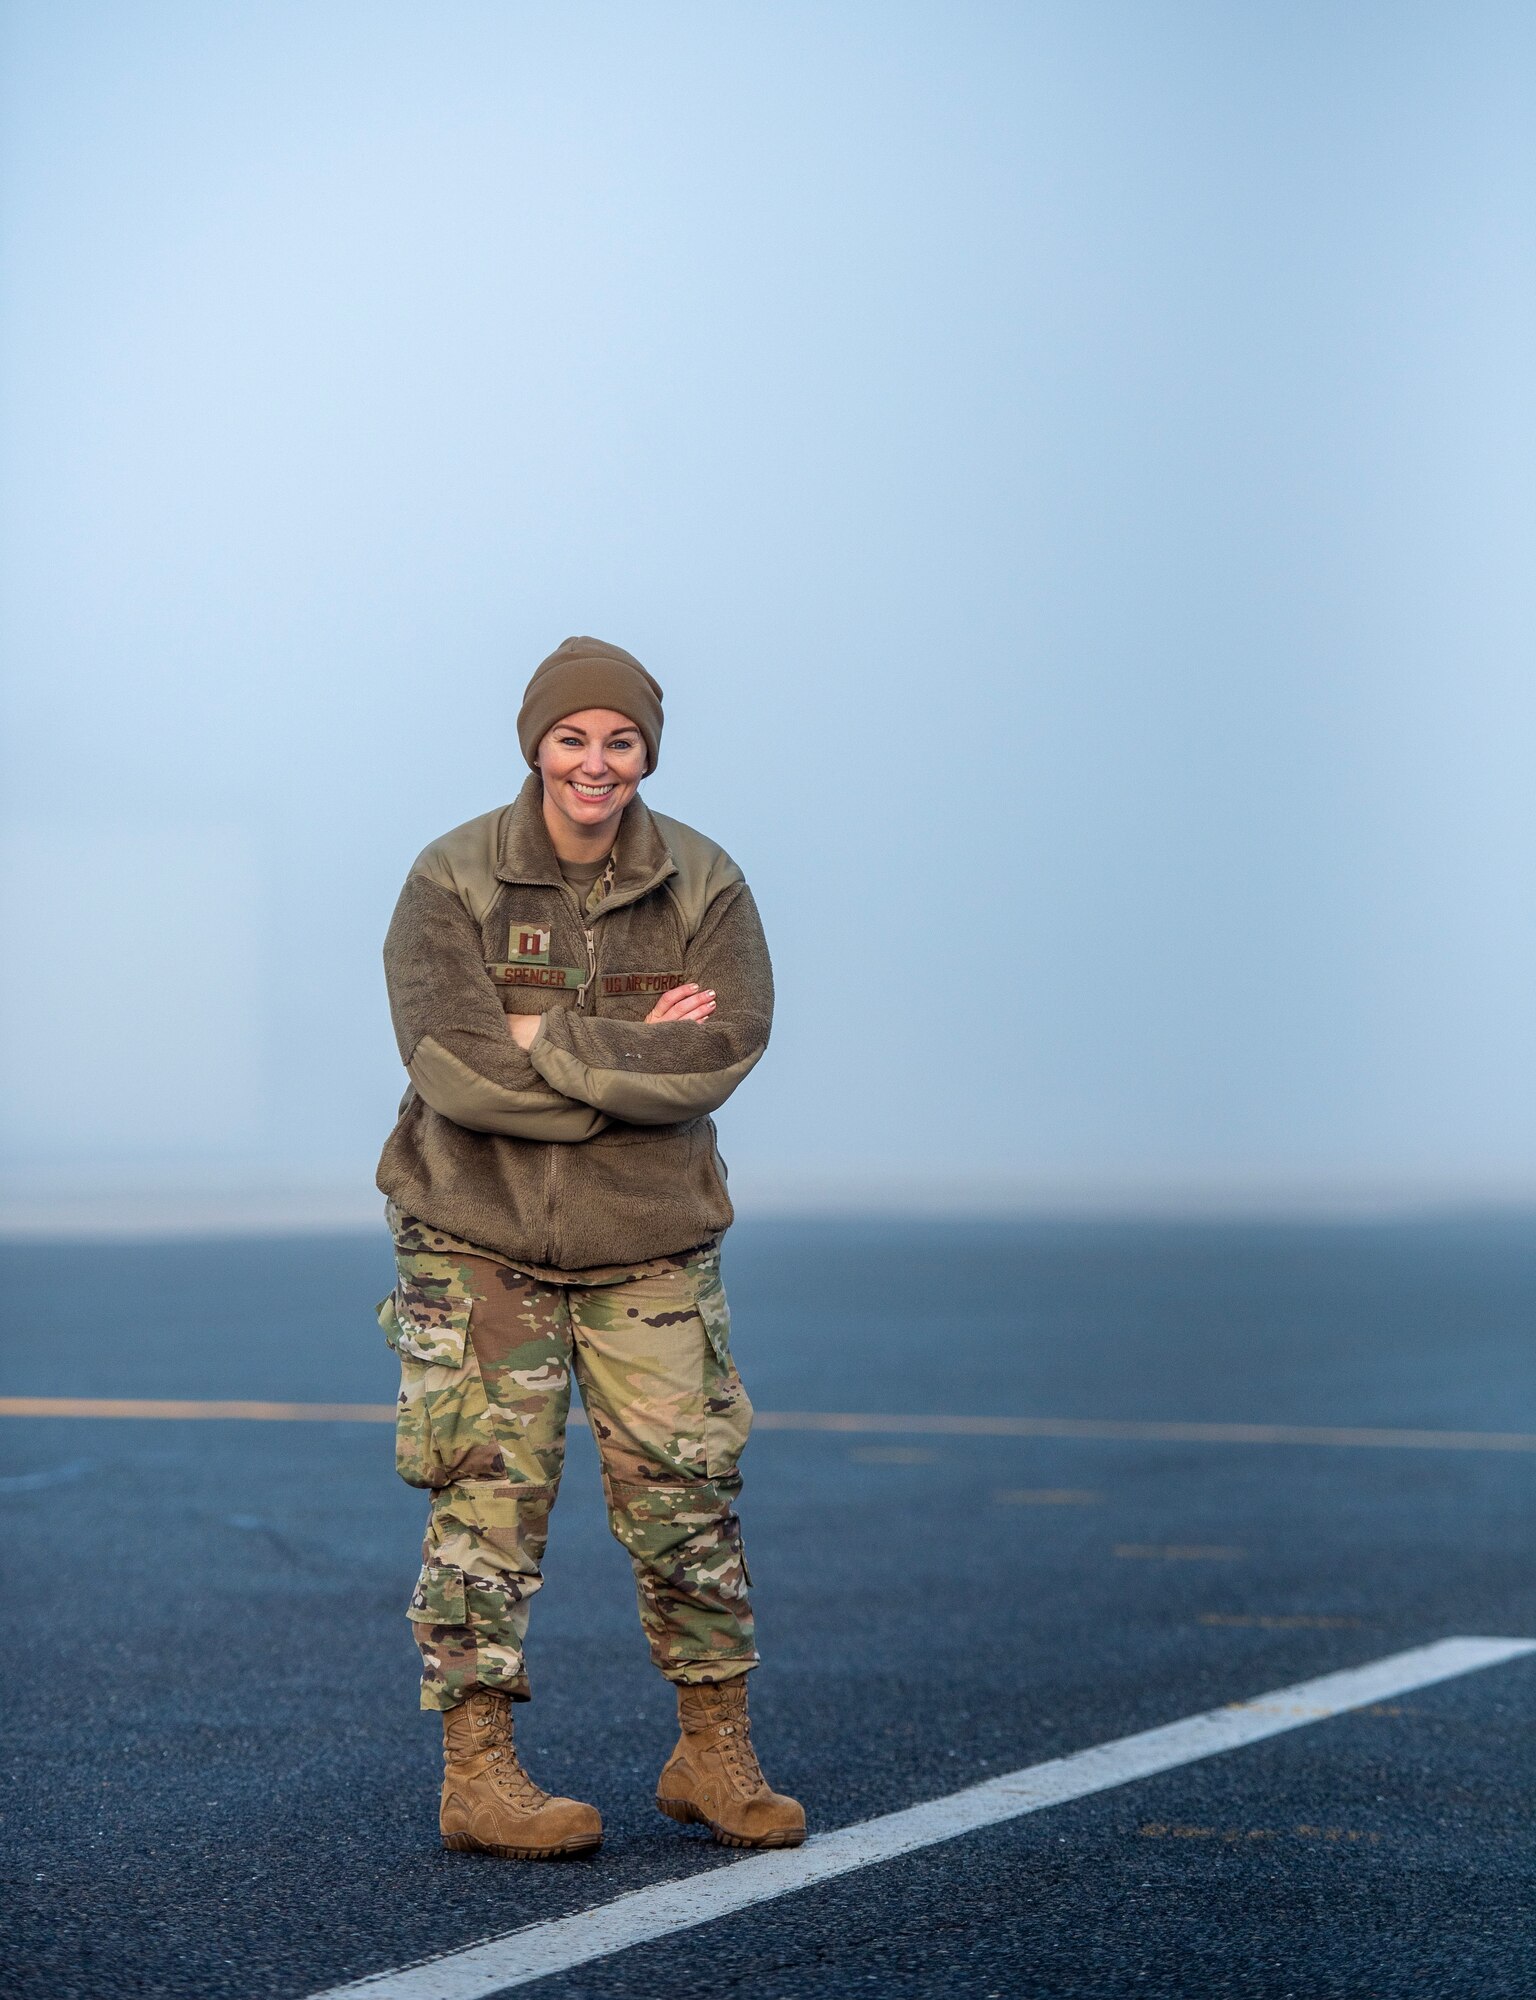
column 688, row 1814
column 464, row 1843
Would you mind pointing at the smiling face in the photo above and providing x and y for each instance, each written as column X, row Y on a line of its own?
column 591, row 764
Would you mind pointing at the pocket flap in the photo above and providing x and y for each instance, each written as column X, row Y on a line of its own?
column 432, row 1329
column 438, row 1598
column 389, row 1320
column 709, row 1297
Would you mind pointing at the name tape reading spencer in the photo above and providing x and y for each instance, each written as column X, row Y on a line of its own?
column 568, row 976
column 614, row 983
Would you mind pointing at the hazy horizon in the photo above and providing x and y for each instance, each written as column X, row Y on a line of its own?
column 1071, row 466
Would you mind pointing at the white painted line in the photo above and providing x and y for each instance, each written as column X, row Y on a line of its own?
column 541, row 1949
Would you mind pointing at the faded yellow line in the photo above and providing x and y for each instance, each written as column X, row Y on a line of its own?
column 1155, row 1433
column 1179, row 1551
column 840, row 1421
column 1282, row 1621
column 261, row 1413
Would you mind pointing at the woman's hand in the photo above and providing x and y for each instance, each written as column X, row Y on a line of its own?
column 678, row 1003
column 683, row 1003
column 523, row 1028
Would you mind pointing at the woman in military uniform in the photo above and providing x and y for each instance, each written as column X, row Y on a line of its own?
column 576, row 983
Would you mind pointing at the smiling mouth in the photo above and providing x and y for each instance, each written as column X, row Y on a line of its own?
column 591, row 791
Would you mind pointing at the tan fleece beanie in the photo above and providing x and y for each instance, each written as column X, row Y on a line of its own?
column 589, row 673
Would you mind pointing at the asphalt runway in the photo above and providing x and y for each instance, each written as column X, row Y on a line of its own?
column 218, row 1783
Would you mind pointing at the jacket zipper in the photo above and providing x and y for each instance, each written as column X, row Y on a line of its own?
column 552, row 1151
column 550, row 1176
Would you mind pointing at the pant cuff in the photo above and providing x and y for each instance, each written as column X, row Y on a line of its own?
column 442, row 1699
column 701, row 1673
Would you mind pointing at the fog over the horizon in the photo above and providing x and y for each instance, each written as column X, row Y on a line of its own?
column 1071, row 465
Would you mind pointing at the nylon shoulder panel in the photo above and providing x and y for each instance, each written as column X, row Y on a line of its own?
column 704, row 869
column 464, row 861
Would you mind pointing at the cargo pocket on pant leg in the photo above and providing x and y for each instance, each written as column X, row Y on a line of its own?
column 470, row 1631
column 429, row 1330
column 727, row 1407
column 439, row 1616
column 426, row 1316
column 709, row 1298
column 438, row 1598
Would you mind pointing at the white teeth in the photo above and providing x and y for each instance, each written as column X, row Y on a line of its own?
column 591, row 791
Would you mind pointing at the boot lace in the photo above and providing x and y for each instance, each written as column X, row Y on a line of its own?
column 510, row 1779
column 505, row 1768
column 738, row 1755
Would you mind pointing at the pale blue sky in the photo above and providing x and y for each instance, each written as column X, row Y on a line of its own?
column 1070, row 465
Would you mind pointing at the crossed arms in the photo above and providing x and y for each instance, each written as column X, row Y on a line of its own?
column 564, row 1075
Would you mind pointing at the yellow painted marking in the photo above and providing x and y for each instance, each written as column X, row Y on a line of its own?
column 1047, row 1496
column 269, row 1413
column 1178, row 1551
column 845, row 1422
column 1281, row 1622
column 261, row 1413
column 1152, row 1433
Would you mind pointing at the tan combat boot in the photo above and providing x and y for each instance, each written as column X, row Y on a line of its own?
column 713, row 1775
column 490, row 1804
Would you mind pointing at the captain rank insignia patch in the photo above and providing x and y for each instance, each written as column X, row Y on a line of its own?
column 528, row 945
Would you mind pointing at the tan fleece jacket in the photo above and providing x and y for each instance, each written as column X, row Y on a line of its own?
column 594, row 1148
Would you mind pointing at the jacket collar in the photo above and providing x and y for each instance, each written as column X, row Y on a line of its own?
column 642, row 858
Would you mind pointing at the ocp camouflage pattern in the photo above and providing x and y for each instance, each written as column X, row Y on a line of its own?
column 484, row 1429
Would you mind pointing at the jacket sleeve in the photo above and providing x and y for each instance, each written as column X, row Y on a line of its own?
column 453, row 1033
column 660, row 1073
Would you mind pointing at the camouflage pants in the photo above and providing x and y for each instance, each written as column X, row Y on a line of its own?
column 486, row 1360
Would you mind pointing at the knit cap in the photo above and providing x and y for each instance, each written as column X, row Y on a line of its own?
column 589, row 673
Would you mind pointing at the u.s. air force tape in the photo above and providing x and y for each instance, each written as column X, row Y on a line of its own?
column 614, row 983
